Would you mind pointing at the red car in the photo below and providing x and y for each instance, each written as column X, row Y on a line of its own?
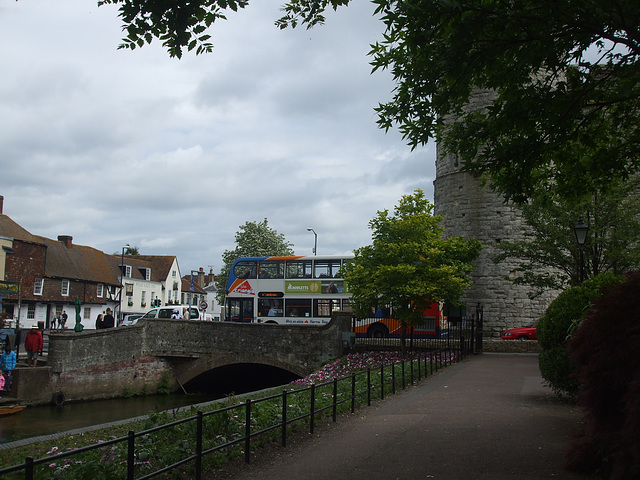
column 520, row 333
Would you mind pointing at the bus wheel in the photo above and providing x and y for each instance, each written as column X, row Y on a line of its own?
column 378, row 331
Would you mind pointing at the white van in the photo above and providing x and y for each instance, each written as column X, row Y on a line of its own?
column 174, row 312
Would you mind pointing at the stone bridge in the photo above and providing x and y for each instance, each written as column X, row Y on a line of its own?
column 106, row 363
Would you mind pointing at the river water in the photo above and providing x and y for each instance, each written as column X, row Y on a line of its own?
column 47, row 420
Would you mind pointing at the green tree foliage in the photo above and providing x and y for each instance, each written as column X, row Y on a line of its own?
column 605, row 351
column 555, row 327
column 409, row 264
column 558, row 71
column 176, row 23
column 254, row 239
column 613, row 215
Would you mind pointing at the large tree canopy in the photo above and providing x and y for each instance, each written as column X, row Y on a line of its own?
column 558, row 72
column 253, row 239
column 550, row 257
column 409, row 265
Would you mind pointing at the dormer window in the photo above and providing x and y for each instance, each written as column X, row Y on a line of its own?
column 127, row 271
column 100, row 290
column 146, row 273
column 38, row 286
column 64, row 291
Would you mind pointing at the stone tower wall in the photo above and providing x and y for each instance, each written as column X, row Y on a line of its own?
column 471, row 210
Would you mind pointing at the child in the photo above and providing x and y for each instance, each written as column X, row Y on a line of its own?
column 1, row 382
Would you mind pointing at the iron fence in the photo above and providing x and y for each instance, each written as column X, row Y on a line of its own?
column 235, row 428
column 460, row 334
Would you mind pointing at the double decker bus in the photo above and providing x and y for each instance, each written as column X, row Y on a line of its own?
column 292, row 290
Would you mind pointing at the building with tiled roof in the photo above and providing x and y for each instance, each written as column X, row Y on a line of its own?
column 52, row 274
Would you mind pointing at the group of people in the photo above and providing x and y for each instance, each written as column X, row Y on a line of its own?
column 33, row 344
column 105, row 321
column 59, row 322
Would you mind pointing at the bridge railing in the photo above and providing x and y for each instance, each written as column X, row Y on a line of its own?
column 203, row 441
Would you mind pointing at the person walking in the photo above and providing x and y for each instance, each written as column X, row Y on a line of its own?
column 33, row 345
column 99, row 322
column 7, row 364
column 62, row 321
column 108, row 320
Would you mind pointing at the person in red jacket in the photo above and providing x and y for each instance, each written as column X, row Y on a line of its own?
column 33, row 345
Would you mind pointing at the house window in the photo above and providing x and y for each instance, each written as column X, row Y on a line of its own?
column 173, row 273
column 100, row 291
column 87, row 313
column 65, row 288
column 143, row 298
column 38, row 285
column 31, row 311
column 127, row 271
column 147, row 275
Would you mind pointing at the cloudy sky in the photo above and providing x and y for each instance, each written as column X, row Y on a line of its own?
column 118, row 147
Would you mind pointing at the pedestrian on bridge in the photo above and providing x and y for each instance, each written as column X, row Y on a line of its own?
column 33, row 344
column 7, row 364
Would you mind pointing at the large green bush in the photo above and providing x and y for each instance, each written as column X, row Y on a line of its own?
column 556, row 325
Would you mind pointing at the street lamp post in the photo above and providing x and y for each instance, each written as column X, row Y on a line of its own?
column 122, row 270
column 315, row 242
column 580, row 231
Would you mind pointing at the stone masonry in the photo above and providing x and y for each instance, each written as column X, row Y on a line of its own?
column 471, row 210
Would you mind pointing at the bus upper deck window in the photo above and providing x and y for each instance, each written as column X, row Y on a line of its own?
column 245, row 270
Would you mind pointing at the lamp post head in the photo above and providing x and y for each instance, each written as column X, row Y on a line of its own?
column 580, row 231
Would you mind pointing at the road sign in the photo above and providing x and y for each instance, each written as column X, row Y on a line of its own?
column 203, row 305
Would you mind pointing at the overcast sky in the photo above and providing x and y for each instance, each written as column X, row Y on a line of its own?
column 118, row 147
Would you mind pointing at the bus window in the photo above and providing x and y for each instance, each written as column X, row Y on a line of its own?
column 271, row 270
column 270, row 307
column 346, row 305
column 245, row 269
column 326, row 268
column 297, row 307
column 324, row 307
column 240, row 310
column 299, row 269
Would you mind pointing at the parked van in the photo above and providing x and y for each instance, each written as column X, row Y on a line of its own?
column 173, row 311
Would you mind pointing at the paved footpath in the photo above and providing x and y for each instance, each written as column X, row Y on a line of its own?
column 488, row 417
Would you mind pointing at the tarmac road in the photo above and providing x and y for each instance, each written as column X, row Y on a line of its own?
column 489, row 417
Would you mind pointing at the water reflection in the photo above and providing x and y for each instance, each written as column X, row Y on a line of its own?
column 47, row 420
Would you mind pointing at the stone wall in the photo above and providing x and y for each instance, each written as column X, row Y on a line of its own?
column 106, row 363
column 471, row 210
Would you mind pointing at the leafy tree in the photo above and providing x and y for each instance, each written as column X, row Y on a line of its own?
column 557, row 70
column 550, row 257
column 129, row 250
column 605, row 352
column 254, row 239
column 560, row 320
column 409, row 264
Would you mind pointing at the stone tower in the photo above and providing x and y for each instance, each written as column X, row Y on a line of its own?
column 471, row 210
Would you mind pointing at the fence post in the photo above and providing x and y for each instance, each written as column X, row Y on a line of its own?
column 247, row 432
column 369, row 386
column 284, row 418
column 393, row 378
column 131, row 454
column 479, row 327
column 199, row 445
column 335, row 400
column 382, row 382
column 28, row 470
column 353, row 393
column 313, row 409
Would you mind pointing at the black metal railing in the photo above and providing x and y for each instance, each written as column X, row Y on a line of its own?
column 378, row 333
column 235, row 428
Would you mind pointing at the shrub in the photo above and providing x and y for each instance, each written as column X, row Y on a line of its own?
column 555, row 326
column 605, row 351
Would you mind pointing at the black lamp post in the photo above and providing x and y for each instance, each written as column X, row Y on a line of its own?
column 122, row 270
column 315, row 242
column 580, row 231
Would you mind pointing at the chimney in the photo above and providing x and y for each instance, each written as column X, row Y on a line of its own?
column 1, row 203
column 201, row 277
column 66, row 239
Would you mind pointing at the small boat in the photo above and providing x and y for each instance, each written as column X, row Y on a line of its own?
column 10, row 409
